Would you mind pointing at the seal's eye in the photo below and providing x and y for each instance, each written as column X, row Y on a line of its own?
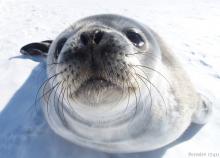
column 59, row 46
column 135, row 38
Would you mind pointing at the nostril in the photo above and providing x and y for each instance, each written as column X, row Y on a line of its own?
column 84, row 38
column 98, row 36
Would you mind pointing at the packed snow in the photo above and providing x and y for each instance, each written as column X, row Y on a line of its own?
column 190, row 27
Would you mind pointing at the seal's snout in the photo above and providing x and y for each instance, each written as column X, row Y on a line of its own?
column 95, row 49
column 91, row 38
column 94, row 60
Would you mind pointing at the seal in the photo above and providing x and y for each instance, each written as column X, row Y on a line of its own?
column 113, row 85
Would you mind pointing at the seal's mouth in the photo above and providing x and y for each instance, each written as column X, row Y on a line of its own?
column 94, row 86
column 97, row 90
column 95, row 79
column 97, row 83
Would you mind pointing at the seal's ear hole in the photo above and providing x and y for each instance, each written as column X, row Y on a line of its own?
column 59, row 46
column 135, row 38
column 36, row 49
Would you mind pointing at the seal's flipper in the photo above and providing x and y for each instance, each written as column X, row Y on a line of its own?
column 36, row 49
column 204, row 110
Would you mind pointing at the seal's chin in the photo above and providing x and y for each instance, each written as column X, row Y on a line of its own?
column 98, row 91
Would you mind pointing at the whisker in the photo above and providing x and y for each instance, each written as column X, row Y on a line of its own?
column 143, row 66
column 55, row 101
column 137, row 85
column 47, row 104
column 58, row 105
column 43, row 86
column 62, row 105
column 149, row 90
column 68, row 94
column 129, row 95
column 158, row 91
column 133, row 90
column 147, row 54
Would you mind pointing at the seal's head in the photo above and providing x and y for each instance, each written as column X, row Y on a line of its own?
column 95, row 59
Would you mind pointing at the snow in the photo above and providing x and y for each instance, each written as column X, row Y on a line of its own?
column 191, row 27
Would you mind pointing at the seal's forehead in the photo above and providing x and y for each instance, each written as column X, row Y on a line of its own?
column 109, row 20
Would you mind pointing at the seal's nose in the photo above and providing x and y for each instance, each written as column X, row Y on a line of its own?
column 92, row 38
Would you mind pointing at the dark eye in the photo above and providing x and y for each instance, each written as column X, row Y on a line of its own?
column 135, row 38
column 60, row 45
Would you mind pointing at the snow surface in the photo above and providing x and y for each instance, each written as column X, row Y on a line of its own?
column 190, row 27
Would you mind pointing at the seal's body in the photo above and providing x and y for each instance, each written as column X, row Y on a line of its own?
column 113, row 85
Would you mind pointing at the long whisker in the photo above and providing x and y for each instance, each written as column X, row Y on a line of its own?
column 43, row 86
column 147, row 78
column 68, row 94
column 149, row 68
column 137, row 85
column 58, row 105
column 143, row 82
column 43, row 91
column 62, row 104
column 47, row 104
column 136, row 100
column 158, row 91
column 55, row 99
column 149, row 90
column 129, row 95
column 147, row 54
column 151, row 82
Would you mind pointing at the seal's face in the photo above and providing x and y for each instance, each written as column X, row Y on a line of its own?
column 95, row 59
